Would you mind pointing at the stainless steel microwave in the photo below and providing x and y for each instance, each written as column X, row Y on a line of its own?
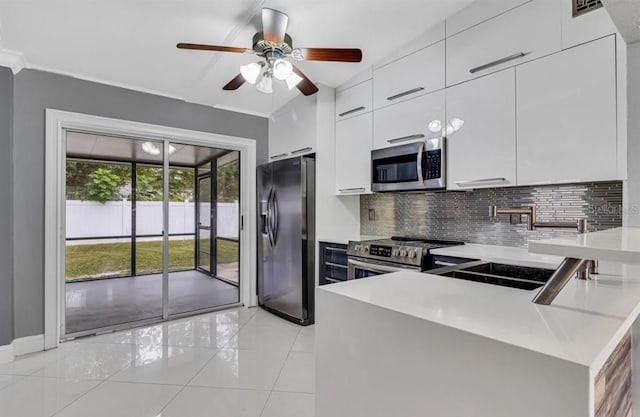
column 413, row 166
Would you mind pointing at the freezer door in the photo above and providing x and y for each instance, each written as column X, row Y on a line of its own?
column 281, row 207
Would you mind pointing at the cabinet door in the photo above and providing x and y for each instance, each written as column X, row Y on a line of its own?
column 408, row 121
column 584, row 27
column 567, row 116
column 353, row 155
column 477, row 12
column 354, row 101
column 416, row 74
column 483, row 152
column 524, row 33
column 293, row 129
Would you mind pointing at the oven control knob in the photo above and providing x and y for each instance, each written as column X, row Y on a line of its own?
column 403, row 253
column 357, row 248
column 395, row 252
column 412, row 254
column 365, row 248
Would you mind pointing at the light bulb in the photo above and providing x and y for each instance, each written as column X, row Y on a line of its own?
column 293, row 80
column 251, row 72
column 266, row 84
column 151, row 148
column 282, row 69
column 435, row 126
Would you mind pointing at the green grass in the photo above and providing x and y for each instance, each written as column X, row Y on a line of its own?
column 106, row 260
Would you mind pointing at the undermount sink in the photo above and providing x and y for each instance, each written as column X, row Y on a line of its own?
column 513, row 276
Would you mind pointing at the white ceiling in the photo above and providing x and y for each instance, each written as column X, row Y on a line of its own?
column 132, row 42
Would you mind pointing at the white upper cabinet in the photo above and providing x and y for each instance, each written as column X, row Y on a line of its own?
column 567, row 116
column 293, row 128
column 584, row 27
column 407, row 121
column 418, row 73
column 521, row 34
column 483, row 152
column 354, row 101
column 478, row 12
column 353, row 155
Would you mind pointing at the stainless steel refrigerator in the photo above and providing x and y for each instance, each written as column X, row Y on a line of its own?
column 286, row 241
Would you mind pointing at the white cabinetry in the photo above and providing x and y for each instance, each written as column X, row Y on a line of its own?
column 524, row 33
column 586, row 27
column 483, row 152
column 477, row 12
column 354, row 101
column 407, row 121
column 567, row 116
column 418, row 73
column 353, row 155
column 293, row 128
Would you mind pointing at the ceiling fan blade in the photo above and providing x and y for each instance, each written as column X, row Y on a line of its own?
column 331, row 54
column 274, row 25
column 306, row 86
column 235, row 83
column 218, row 48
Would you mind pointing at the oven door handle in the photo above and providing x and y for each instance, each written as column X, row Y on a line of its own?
column 419, row 162
column 375, row 268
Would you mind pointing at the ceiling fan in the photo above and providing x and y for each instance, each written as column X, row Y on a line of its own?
column 275, row 46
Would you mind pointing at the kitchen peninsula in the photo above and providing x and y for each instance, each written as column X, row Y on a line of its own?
column 414, row 344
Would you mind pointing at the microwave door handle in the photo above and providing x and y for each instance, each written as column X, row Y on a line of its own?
column 419, row 162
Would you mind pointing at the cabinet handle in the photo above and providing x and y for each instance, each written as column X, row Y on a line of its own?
column 406, row 138
column 346, row 190
column 357, row 109
column 301, row 150
column 334, row 280
column 482, row 181
column 442, row 263
column 497, row 62
column 405, row 93
column 278, row 155
column 336, row 265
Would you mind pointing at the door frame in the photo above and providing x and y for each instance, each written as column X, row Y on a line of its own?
column 57, row 123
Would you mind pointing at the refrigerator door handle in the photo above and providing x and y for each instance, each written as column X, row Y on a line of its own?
column 274, row 218
column 269, row 219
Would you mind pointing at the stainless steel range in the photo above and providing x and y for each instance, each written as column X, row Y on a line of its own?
column 376, row 257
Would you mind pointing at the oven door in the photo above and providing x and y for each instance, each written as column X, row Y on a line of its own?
column 414, row 166
column 360, row 268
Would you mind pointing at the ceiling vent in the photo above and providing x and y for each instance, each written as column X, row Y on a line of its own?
column 581, row 7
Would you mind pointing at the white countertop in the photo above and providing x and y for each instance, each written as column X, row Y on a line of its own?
column 621, row 244
column 583, row 325
column 500, row 254
column 344, row 241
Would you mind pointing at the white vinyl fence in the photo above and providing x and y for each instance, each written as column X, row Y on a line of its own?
column 92, row 219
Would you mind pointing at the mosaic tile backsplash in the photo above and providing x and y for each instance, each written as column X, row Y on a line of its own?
column 464, row 215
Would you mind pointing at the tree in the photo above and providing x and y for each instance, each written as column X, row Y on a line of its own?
column 104, row 186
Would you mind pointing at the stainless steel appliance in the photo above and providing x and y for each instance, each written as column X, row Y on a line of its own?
column 413, row 166
column 286, row 241
column 376, row 257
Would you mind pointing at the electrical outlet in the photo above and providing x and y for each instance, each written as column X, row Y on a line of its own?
column 372, row 214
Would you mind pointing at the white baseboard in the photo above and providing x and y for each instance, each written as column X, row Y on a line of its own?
column 29, row 344
column 21, row 346
column 6, row 354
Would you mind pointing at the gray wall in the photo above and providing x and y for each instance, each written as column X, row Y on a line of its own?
column 34, row 91
column 465, row 215
column 6, row 258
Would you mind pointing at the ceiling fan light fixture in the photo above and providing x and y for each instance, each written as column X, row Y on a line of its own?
column 251, row 72
column 266, row 84
column 293, row 80
column 282, row 69
column 151, row 148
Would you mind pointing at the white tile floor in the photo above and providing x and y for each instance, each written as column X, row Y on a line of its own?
column 235, row 363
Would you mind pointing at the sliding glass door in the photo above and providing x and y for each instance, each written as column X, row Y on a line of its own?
column 126, row 206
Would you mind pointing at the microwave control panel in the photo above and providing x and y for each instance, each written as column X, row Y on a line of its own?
column 434, row 164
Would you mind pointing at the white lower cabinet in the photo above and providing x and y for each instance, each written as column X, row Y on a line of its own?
column 407, row 121
column 353, row 155
column 566, row 105
column 483, row 152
